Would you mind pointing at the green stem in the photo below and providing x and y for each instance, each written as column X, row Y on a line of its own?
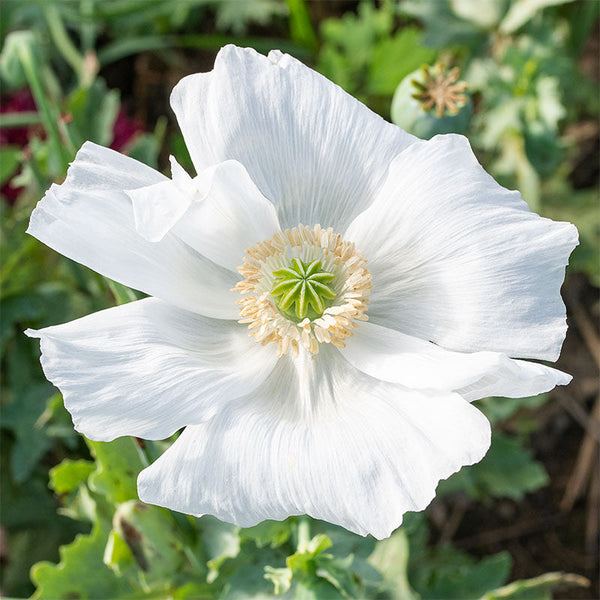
column 19, row 119
column 303, row 533
column 301, row 29
column 62, row 40
column 49, row 118
column 542, row 582
column 88, row 27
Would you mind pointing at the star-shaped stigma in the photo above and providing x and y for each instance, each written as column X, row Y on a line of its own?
column 301, row 290
column 440, row 89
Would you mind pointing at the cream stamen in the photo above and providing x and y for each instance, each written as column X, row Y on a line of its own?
column 262, row 269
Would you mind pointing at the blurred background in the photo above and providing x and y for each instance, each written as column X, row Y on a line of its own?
column 522, row 81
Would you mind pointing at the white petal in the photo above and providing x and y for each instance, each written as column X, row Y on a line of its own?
column 461, row 261
column 220, row 213
column 157, row 207
column 147, row 369
column 317, row 153
column 89, row 218
column 399, row 358
column 232, row 216
column 323, row 439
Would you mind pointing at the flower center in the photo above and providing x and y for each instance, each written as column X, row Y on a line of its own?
column 302, row 287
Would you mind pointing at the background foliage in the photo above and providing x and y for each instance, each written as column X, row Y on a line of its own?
column 73, row 70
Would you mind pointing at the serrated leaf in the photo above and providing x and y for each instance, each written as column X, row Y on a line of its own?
column 80, row 573
column 394, row 58
column 119, row 463
column 236, row 16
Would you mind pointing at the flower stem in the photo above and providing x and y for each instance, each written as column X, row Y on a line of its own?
column 303, row 533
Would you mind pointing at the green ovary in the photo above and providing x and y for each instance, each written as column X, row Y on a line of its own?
column 301, row 290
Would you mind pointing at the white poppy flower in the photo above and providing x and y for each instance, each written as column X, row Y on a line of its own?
column 309, row 214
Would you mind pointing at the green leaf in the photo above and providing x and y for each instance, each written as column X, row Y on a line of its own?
column 390, row 558
column 507, row 471
column 220, row 541
column 121, row 293
column 10, row 158
column 117, row 554
column 118, row 464
column 487, row 15
column 94, row 111
column 348, row 43
column 581, row 208
column 153, row 539
column 446, row 574
column 336, row 571
column 443, row 27
column 21, row 416
column 69, row 474
column 500, row 409
column 268, row 533
column 25, row 505
column 11, row 67
column 80, row 573
column 299, row 561
column 522, row 11
column 236, row 16
column 243, row 577
column 301, row 29
column 396, row 57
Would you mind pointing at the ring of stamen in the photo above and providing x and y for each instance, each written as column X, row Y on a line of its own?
column 303, row 287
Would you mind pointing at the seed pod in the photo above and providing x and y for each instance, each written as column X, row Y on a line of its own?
column 432, row 100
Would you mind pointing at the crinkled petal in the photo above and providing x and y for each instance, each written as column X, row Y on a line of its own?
column 147, row 369
column 89, row 218
column 220, row 213
column 157, row 207
column 324, row 439
column 317, row 153
column 461, row 261
column 399, row 358
column 233, row 216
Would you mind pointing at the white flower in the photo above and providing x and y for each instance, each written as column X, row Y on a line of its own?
column 347, row 216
